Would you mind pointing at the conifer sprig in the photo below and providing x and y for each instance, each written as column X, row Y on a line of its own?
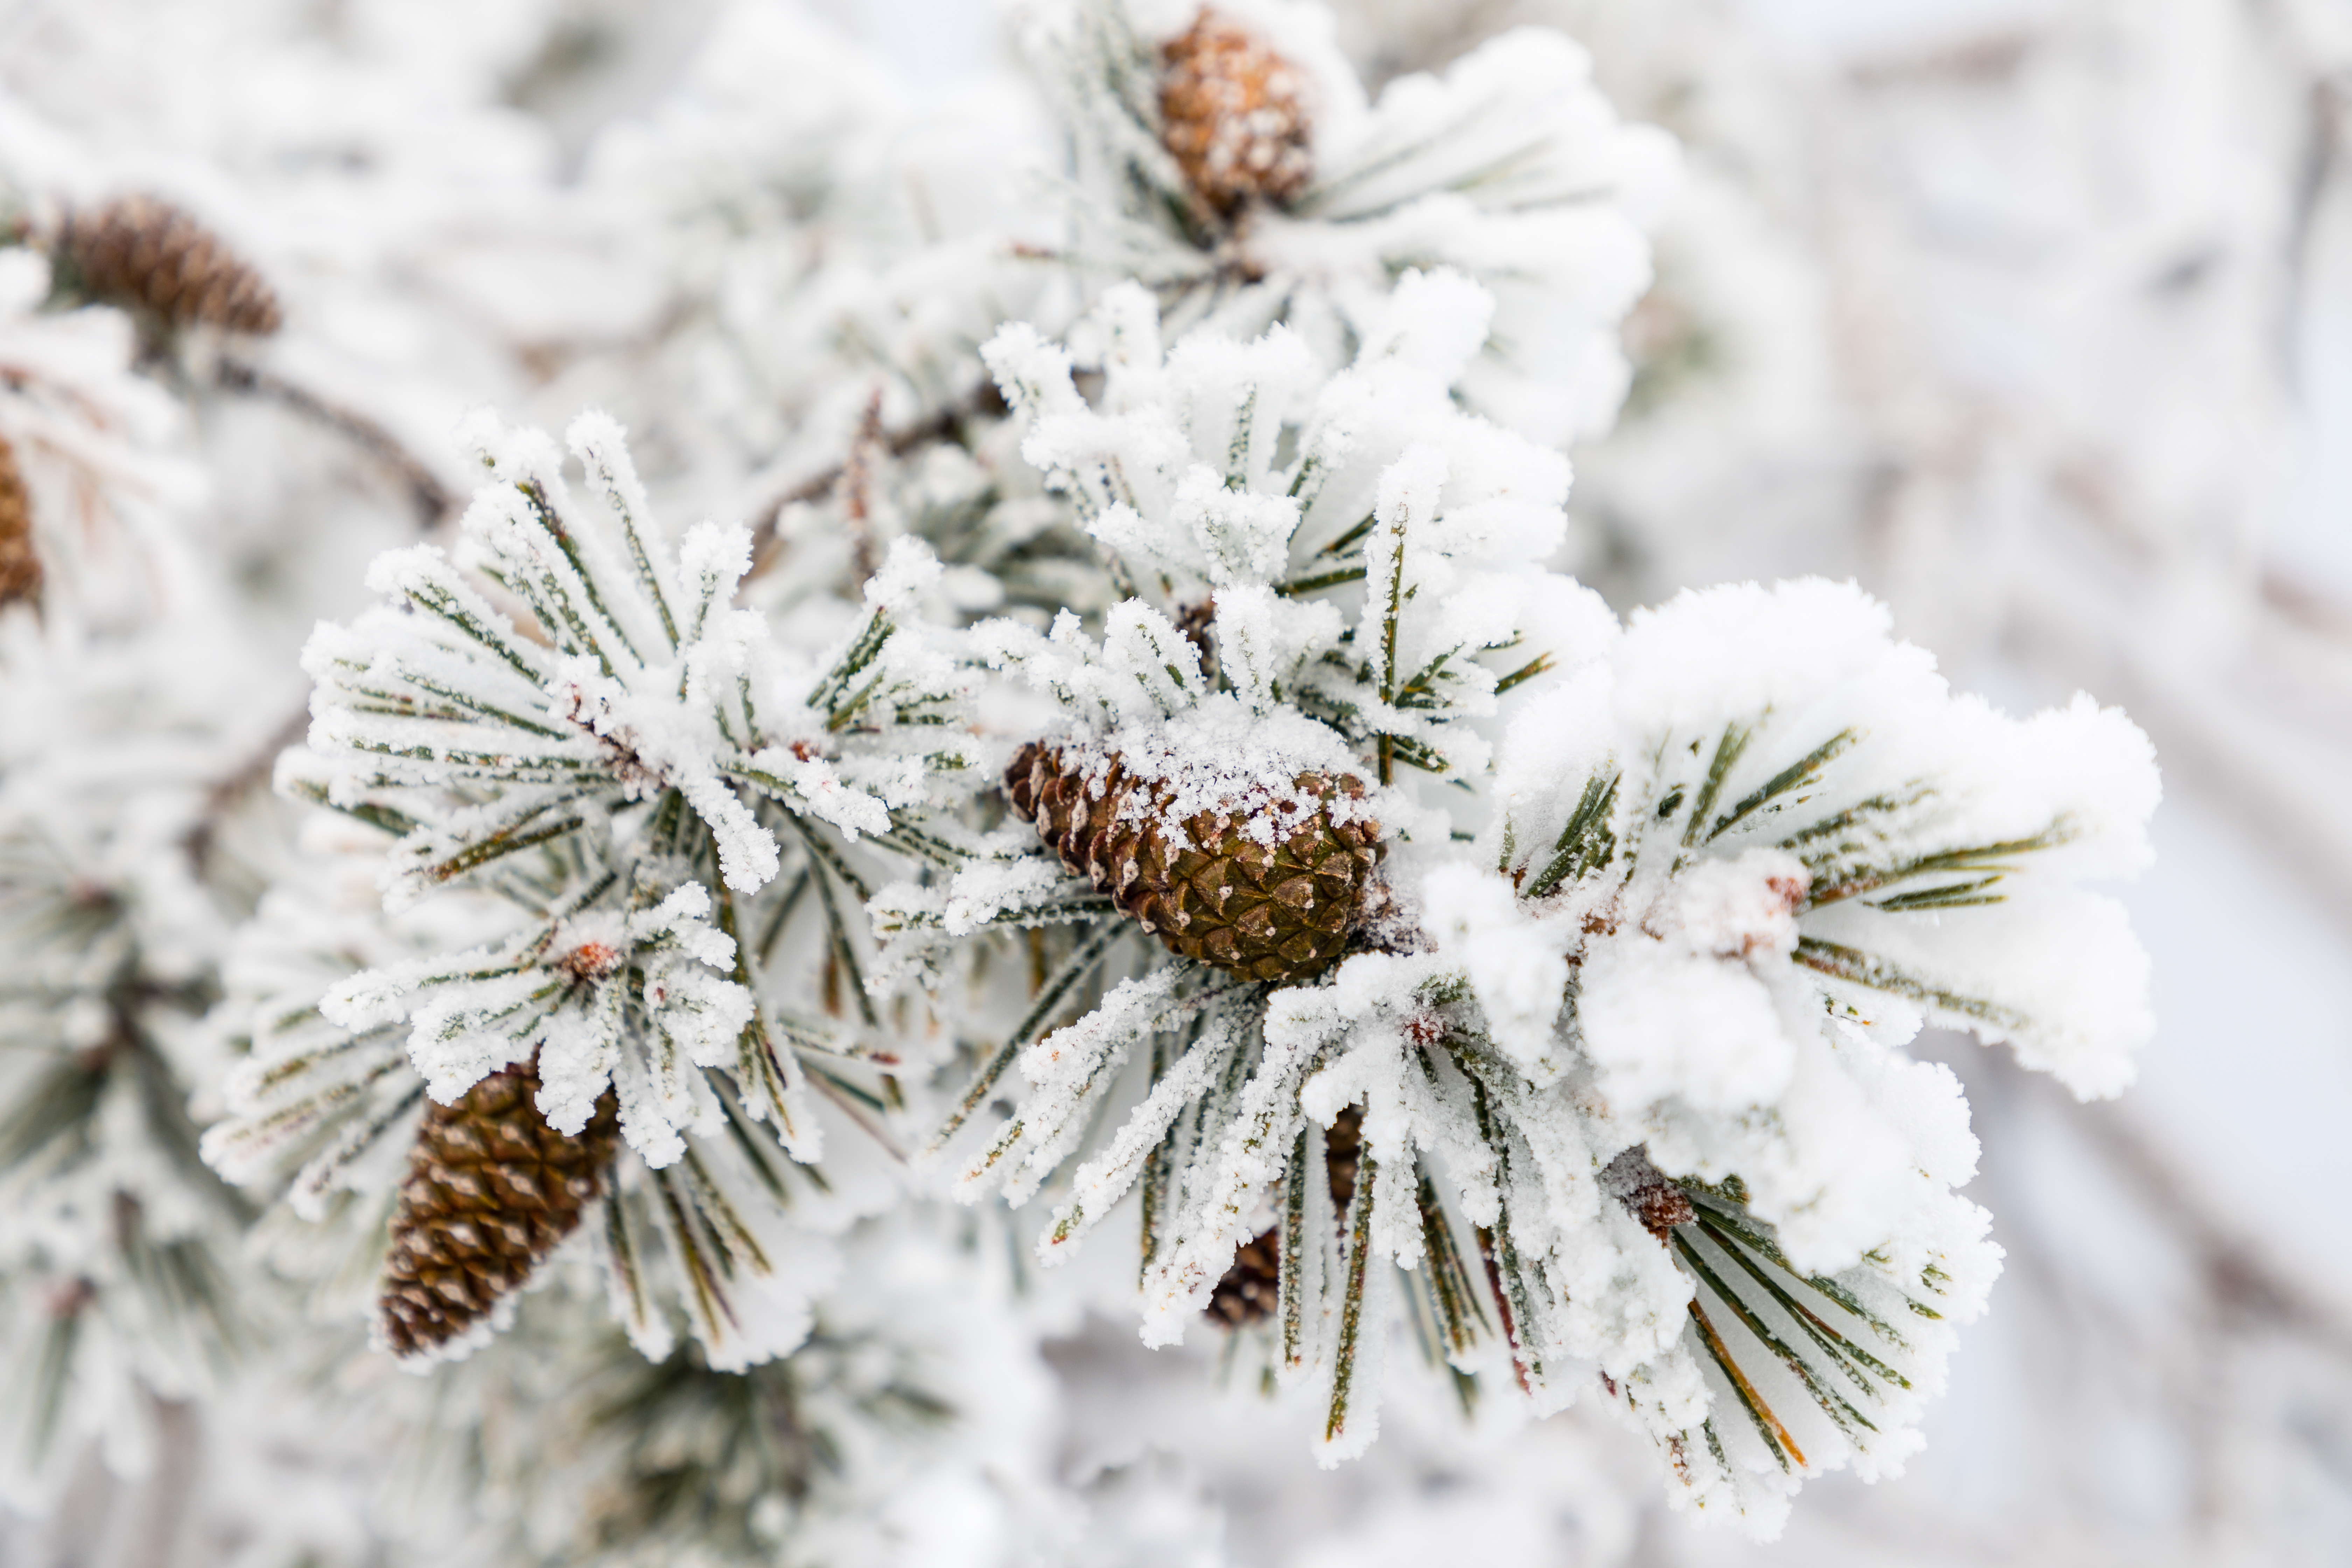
column 1642, row 1063
column 572, row 722
column 1234, row 167
column 119, row 1263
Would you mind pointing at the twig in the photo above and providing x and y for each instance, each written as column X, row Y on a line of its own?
column 248, row 775
column 983, row 402
column 426, row 493
column 170, row 1487
column 1992, row 57
column 2244, row 1286
column 858, row 487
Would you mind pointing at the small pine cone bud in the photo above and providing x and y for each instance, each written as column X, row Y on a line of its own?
column 491, row 1189
column 1279, row 912
column 1232, row 114
column 1646, row 1192
column 20, row 567
column 144, row 252
column 1660, row 1207
column 1251, row 1288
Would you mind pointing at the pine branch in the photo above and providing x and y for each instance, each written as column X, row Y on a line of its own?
column 432, row 501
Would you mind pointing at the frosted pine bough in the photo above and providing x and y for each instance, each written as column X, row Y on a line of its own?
column 1623, row 1029
column 122, row 1277
column 1302, row 201
column 122, row 1280
column 654, row 791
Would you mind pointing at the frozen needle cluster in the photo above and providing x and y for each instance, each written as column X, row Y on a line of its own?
column 1613, row 1060
column 628, row 764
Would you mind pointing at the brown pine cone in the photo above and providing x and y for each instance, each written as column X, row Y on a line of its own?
column 20, row 567
column 1280, row 913
column 1232, row 112
column 143, row 252
column 491, row 1189
column 1251, row 1288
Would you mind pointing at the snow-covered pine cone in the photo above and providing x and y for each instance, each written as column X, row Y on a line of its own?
column 141, row 251
column 1250, row 1289
column 20, row 568
column 1232, row 114
column 491, row 1189
column 1279, row 912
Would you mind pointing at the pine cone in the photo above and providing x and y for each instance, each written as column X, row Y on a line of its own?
column 20, row 568
column 1252, row 1287
column 1343, row 1155
column 1232, row 113
column 491, row 1189
column 1281, row 913
column 144, row 252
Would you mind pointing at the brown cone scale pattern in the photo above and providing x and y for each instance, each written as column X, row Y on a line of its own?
column 144, row 252
column 20, row 567
column 491, row 1189
column 1252, row 1287
column 1280, row 913
column 1232, row 113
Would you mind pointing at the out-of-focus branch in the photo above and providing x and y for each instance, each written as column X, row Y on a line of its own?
column 2315, row 172
column 1992, row 58
column 983, row 402
column 2243, row 1288
column 233, row 788
column 426, row 494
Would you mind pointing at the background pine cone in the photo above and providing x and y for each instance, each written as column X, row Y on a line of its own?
column 1282, row 913
column 143, row 252
column 1232, row 113
column 20, row 567
column 491, row 1188
column 1252, row 1287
